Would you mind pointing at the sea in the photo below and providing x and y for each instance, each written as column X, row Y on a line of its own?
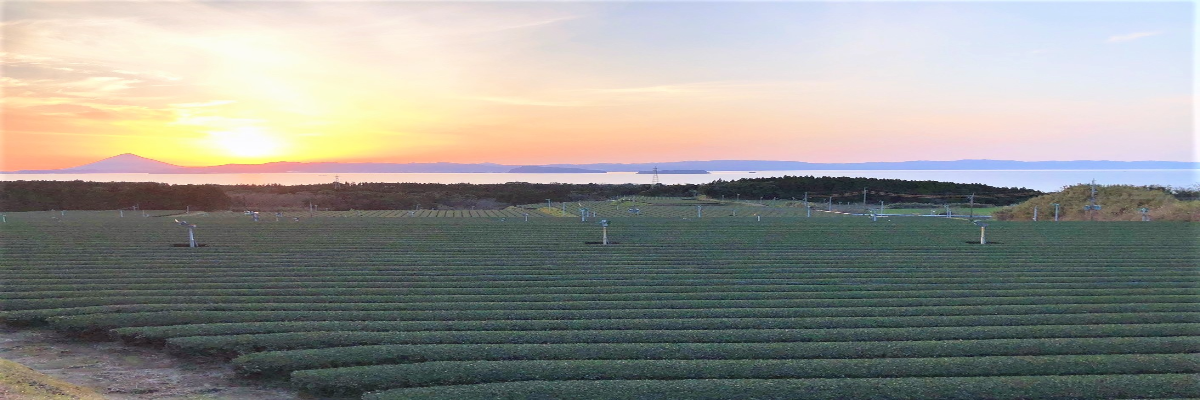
column 1043, row 180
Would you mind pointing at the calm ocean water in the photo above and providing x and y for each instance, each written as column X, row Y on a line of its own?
column 1044, row 180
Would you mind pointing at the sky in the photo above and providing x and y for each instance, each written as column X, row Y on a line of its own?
column 207, row 83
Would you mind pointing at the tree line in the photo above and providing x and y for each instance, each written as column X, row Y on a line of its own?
column 82, row 195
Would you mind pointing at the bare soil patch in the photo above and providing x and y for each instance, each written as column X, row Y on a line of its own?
column 122, row 372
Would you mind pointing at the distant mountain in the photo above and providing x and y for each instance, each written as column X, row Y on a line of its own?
column 130, row 163
column 676, row 172
column 124, row 163
column 537, row 169
column 333, row 167
column 758, row 165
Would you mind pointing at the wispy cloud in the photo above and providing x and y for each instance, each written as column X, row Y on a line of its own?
column 1129, row 37
column 520, row 101
column 204, row 104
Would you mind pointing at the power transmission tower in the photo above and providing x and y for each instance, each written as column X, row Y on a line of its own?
column 654, row 180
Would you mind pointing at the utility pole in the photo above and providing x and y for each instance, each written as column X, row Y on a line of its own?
column 972, row 205
column 1055, row 212
column 864, row 197
column 1092, row 207
column 1035, row 210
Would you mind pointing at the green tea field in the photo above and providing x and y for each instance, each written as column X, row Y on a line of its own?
column 764, row 303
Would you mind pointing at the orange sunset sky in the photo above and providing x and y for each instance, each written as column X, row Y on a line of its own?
column 206, row 83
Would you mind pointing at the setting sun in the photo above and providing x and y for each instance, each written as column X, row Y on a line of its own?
column 246, row 142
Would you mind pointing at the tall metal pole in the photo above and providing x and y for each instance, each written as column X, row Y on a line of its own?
column 699, row 213
column 191, row 237
column 806, row 199
column 972, row 205
column 864, row 197
column 983, row 235
column 881, row 206
column 1035, row 209
column 548, row 205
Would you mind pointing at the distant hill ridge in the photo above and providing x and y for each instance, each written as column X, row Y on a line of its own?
column 132, row 163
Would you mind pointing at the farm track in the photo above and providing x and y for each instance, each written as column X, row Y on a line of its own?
column 471, row 306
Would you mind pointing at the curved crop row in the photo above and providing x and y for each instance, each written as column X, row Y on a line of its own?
column 1078, row 387
column 241, row 344
column 280, row 363
column 353, row 380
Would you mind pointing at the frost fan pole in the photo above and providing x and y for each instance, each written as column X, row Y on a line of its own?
column 604, row 232
column 982, row 231
column 191, row 232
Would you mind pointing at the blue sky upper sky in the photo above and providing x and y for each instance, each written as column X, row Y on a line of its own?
column 541, row 82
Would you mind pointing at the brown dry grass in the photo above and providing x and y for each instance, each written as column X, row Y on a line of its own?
column 19, row 382
column 1119, row 203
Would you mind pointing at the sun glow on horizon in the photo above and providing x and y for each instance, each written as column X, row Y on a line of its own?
column 246, row 143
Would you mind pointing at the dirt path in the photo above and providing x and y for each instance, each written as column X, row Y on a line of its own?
column 131, row 373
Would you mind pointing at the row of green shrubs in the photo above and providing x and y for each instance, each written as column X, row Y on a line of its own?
column 366, row 303
column 159, row 334
column 223, row 313
column 281, row 363
column 232, row 345
column 354, row 380
column 779, row 284
column 93, row 283
column 1062, row 387
column 550, row 290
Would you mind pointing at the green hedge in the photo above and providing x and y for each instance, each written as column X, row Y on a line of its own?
column 158, row 334
column 669, row 300
column 241, row 344
column 353, row 380
column 280, row 363
column 1074, row 387
column 128, row 318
